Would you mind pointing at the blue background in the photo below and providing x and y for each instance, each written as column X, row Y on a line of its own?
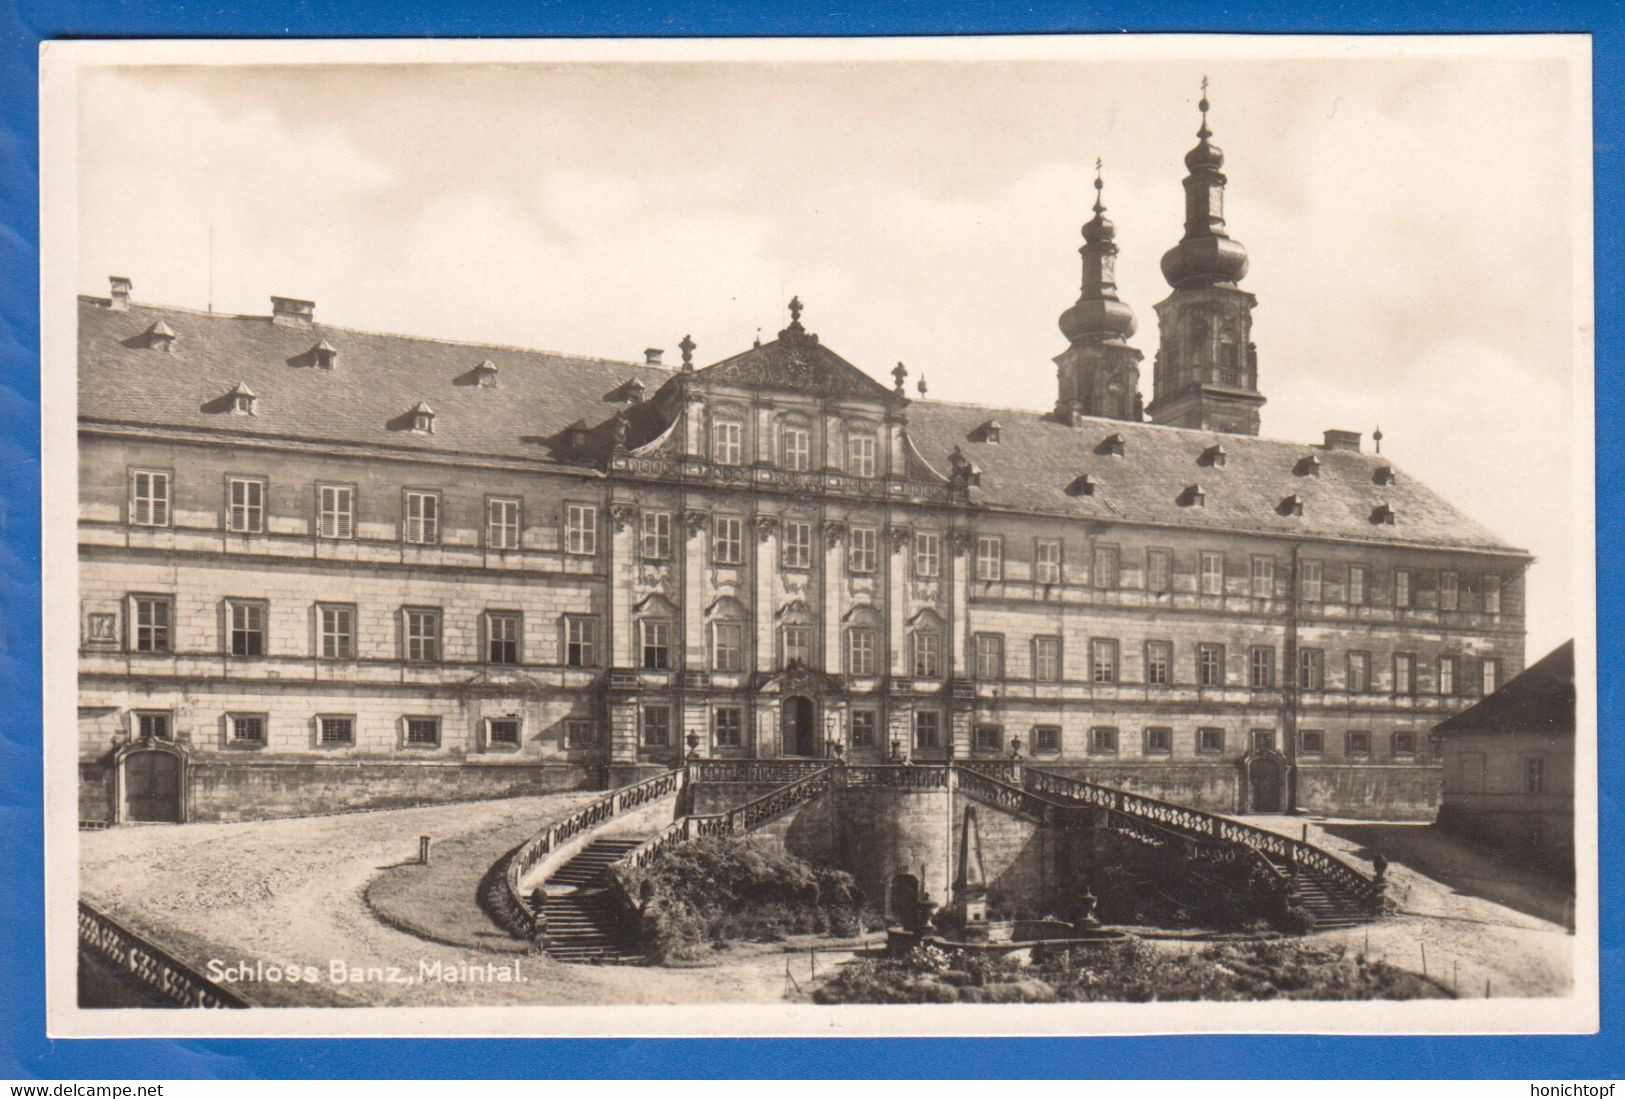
column 25, row 1052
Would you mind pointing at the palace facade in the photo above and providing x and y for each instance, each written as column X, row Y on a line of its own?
column 323, row 568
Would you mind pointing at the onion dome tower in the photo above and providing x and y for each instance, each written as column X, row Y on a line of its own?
column 1099, row 373
column 1206, row 370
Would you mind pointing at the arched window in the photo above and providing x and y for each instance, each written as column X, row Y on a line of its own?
column 727, row 635
column 925, row 645
column 862, row 642
column 795, row 634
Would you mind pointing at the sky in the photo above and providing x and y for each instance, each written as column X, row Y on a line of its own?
column 1410, row 222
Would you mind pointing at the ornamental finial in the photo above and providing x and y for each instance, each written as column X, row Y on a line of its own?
column 687, row 348
column 795, row 309
column 920, row 385
column 1203, row 107
column 899, row 374
column 1100, row 186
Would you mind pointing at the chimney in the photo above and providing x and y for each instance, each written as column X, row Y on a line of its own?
column 292, row 311
column 651, row 356
column 120, row 294
column 1342, row 440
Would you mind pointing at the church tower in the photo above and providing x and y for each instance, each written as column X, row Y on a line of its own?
column 1206, row 369
column 1099, row 373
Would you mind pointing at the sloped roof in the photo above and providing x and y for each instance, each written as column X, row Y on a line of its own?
column 1038, row 459
column 1540, row 699
column 357, row 401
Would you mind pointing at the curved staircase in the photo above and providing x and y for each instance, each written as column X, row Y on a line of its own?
column 584, row 920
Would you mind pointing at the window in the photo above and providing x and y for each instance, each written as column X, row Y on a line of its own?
column 151, row 616
column 727, row 442
column 1404, row 744
column 154, row 725
column 1534, row 775
column 798, row 644
column 423, row 732
column 1402, row 588
column 581, row 530
column 1311, row 669
column 422, row 518
column 1359, row 676
column 1492, row 593
column 335, row 511
column 989, row 557
column 1159, row 741
column 1263, row 740
column 246, row 729
column 656, row 726
column 927, row 729
column 1047, row 561
column 728, row 726
column 655, row 636
column 1311, row 581
column 1404, row 673
column 1210, row 665
column 727, row 647
column 1212, row 574
column 860, row 454
column 580, row 641
column 1159, row 660
column 1210, row 741
column 245, row 505
column 503, row 630
column 860, row 550
column 865, row 728
column 1261, row 667
column 1489, row 675
column 1047, row 739
column 1047, row 659
column 501, row 523
column 332, row 731
column 728, row 540
column 1102, row 661
column 1102, row 741
column 796, row 552
column 927, row 653
column 245, row 624
column 860, row 651
column 1159, row 568
column 1103, row 568
column 1449, row 591
column 1311, row 742
column 989, row 656
column 1263, row 577
column 502, row 732
column 580, row 734
column 422, row 634
column 927, row 553
column 656, row 540
column 1447, row 675
column 149, row 498
column 1356, row 592
column 989, row 738
column 1357, row 745
column 335, row 627
column 795, row 447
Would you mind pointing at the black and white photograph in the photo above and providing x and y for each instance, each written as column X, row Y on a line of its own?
column 1065, row 535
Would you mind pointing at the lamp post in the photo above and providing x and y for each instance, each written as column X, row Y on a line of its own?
column 896, row 738
column 832, row 746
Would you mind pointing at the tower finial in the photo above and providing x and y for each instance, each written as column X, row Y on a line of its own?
column 795, row 309
column 1203, row 107
column 1100, row 185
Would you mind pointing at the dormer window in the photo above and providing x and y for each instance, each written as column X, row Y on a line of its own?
column 326, row 356
column 1193, row 497
column 241, row 399
column 1384, row 515
column 1214, row 456
column 1112, row 444
column 987, row 432
column 576, row 436
column 1082, row 485
column 1292, row 506
column 421, row 418
column 1384, row 475
column 161, row 337
column 1308, row 466
column 633, row 391
column 485, row 374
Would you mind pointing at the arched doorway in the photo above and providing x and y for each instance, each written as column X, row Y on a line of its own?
column 152, row 786
column 1265, row 784
column 800, row 726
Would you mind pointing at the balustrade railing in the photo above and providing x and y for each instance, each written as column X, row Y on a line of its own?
column 752, row 770
column 900, row 776
column 156, row 968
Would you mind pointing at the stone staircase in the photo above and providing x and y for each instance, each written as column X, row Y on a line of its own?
column 1327, row 904
column 582, row 919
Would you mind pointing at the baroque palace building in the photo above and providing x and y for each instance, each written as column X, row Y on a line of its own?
column 323, row 568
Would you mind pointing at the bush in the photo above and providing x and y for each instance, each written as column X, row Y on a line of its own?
column 723, row 889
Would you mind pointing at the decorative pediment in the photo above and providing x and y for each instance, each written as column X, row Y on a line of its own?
column 727, row 607
column 655, row 605
column 798, row 363
column 796, row 613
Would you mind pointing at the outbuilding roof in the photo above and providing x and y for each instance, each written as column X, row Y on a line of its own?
column 1540, row 699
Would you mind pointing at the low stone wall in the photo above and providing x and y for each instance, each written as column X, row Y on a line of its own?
column 1213, row 789
column 1397, row 791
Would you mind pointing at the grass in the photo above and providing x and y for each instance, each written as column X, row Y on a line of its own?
column 444, row 901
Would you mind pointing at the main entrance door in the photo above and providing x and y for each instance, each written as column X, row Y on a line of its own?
column 800, row 730
column 1264, row 777
column 152, row 787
